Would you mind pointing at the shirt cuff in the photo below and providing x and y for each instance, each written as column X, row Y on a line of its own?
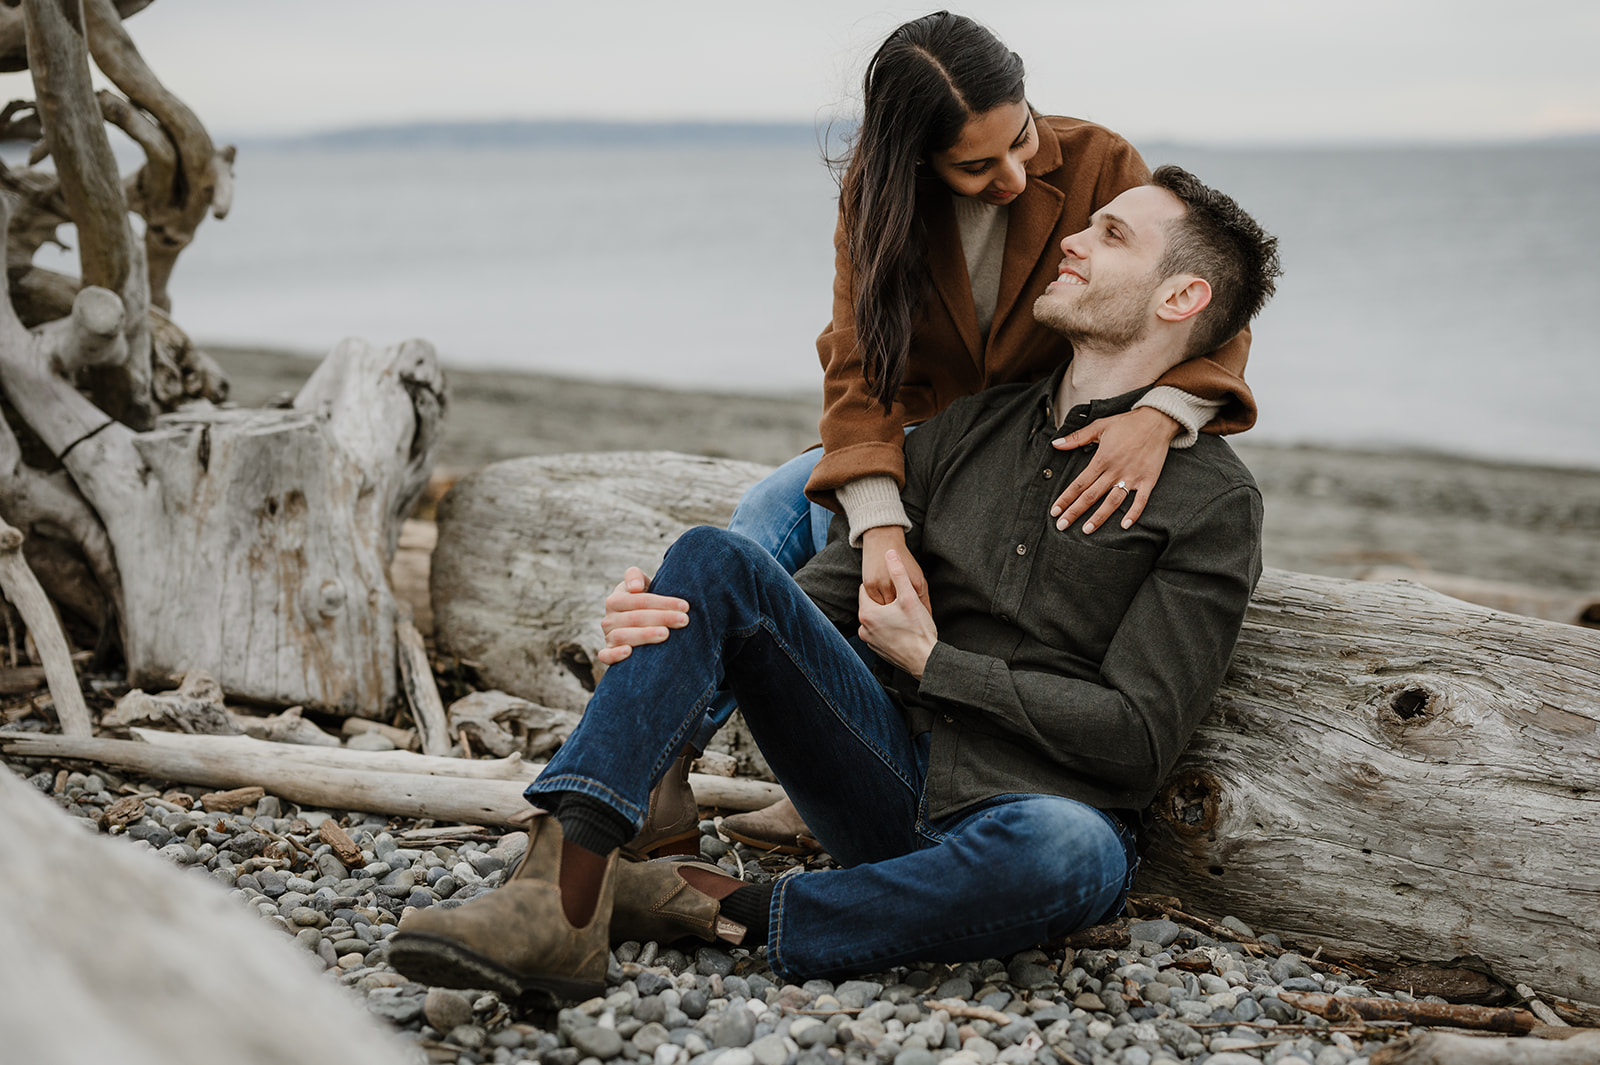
column 1191, row 412
column 872, row 502
column 954, row 676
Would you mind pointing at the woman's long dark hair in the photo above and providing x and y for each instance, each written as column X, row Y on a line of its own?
column 927, row 80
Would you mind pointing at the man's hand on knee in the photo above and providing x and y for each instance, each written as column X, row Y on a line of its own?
column 901, row 632
column 635, row 617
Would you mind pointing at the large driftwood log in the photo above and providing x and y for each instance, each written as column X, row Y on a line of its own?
column 1385, row 771
column 529, row 548
column 1391, row 771
column 107, row 954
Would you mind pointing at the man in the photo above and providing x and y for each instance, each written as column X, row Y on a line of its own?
column 982, row 796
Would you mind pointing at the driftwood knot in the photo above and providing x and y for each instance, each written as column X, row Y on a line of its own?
column 1191, row 801
column 10, row 539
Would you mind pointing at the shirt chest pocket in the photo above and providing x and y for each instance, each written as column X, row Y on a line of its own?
column 1083, row 591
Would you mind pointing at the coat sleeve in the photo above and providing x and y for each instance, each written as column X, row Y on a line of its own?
column 1219, row 376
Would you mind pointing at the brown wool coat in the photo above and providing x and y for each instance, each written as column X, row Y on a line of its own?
column 1079, row 168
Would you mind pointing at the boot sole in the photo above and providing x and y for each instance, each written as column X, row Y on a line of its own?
column 440, row 962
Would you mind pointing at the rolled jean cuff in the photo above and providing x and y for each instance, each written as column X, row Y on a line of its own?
column 544, row 791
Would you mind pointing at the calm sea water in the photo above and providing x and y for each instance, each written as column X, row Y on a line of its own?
column 1441, row 299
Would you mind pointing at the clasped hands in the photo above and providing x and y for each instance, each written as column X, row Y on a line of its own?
column 900, row 631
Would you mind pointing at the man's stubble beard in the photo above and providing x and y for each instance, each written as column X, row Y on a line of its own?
column 1099, row 319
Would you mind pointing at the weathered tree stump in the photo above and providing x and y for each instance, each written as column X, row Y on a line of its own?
column 1386, row 770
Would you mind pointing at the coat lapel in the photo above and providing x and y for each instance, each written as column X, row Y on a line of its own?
column 947, row 264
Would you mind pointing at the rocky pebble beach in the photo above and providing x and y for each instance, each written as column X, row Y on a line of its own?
column 338, row 884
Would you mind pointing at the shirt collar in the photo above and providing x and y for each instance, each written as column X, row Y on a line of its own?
column 1082, row 413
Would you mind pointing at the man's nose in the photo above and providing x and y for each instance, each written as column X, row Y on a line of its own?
column 1072, row 246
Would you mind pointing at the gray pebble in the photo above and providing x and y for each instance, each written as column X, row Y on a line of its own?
column 1162, row 933
column 693, row 1004
column 771, row 1050
column 446, row 1010
column 733, row 1028
column 1289, row 966
column 597, row 1042
column 393, row 1004
column 470, row 1036
column 955, row 987
column 1300, row 983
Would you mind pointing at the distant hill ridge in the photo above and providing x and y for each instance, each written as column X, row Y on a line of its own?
column 589, row 133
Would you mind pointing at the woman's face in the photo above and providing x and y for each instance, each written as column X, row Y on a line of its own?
column 986, row 160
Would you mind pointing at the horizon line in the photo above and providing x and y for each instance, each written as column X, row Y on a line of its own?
column 586, row 127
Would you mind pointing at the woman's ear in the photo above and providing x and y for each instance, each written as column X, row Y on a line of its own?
column 1187, row 296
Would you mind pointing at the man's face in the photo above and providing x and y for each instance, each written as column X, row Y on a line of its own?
column 1107, row 292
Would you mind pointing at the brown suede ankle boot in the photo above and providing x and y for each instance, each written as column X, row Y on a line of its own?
column 778, row 827
column 516, row 939
column 667, row 900
column 672, row 823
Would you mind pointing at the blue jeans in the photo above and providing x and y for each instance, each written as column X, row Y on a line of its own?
column 775, row 513
column 1012, row 872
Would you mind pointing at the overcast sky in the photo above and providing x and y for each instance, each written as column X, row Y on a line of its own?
column 1236, row 71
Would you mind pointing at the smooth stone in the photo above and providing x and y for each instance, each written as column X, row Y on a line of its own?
column 391, row 1004
column 1289, row 966
column 597, row 1042
column 650, row 1036
column 735, row 1056
column 771, row 1050
column 1162, row 933
column 651, row 983
column 1090, row 1001
column 1235, row 925
column 1233, row 1057
column 693, row 1004
column 955, row 987
column 709, row 961
column 468, row 1035
column 1030, row 975
column 446, row 1010
column 1300, row 983
column 733, row 1028
column 981, row 1049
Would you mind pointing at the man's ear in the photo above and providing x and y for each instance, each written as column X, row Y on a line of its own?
column 1187, row 295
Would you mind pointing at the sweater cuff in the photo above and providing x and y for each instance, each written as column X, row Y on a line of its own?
column 871, row 502
column 1189, row 411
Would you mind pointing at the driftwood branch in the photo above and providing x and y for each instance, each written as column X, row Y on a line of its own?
column 174, row 199
column 1347, row 1010
column 341, row 779
column 416, row 678
column 58, row 51
column 20, row 586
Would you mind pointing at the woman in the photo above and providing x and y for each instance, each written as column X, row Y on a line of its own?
column 953, row 205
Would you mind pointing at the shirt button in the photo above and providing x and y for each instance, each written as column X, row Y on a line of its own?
column 1049, row 474
column 1022, row 549
column 948, row 720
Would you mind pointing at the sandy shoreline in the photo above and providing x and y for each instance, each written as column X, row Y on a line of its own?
column 1328, row 511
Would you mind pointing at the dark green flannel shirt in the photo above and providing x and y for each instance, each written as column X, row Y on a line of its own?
column 1067, row 664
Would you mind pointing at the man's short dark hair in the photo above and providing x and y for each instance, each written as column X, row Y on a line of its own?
column 1218, row 241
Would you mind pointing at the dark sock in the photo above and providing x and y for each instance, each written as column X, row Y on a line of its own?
column 751, row 906
column 591, row 824
column 590, row 831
